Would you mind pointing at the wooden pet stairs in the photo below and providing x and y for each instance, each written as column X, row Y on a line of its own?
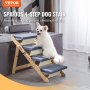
column 43, row 66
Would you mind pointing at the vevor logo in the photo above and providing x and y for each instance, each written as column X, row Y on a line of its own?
column 11, row 3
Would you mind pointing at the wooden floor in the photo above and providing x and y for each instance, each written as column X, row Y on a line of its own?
column 77, row 74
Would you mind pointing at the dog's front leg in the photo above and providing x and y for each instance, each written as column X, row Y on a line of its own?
column 37, row 43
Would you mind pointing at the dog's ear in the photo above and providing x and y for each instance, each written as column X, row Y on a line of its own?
column 46, row 28
column 37, row 23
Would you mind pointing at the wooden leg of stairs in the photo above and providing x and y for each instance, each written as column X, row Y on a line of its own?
column 15, row 60
column 62, row 73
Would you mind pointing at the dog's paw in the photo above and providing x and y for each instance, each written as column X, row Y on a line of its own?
column 35, row 41
column 58, row 59
column 61, row 60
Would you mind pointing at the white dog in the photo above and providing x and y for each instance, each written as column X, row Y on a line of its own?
column 44, row 40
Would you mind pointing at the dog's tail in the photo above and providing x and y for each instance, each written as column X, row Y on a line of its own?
column 58, row 59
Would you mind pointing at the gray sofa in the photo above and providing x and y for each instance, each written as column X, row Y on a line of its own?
column 7, row 48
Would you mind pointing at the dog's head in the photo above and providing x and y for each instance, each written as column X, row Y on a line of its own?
column 41, row 29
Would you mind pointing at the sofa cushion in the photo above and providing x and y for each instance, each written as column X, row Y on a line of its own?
column 20, row 28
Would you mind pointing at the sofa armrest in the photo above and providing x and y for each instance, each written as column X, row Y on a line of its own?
column 18, row 28
column 58, row 42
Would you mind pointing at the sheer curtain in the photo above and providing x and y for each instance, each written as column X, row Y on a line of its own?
column 76, row 28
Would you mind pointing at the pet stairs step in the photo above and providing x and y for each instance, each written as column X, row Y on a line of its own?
column 52, row 68
column 25, row 36
column 25, row 39
column 33, row 49
column 41, row 60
